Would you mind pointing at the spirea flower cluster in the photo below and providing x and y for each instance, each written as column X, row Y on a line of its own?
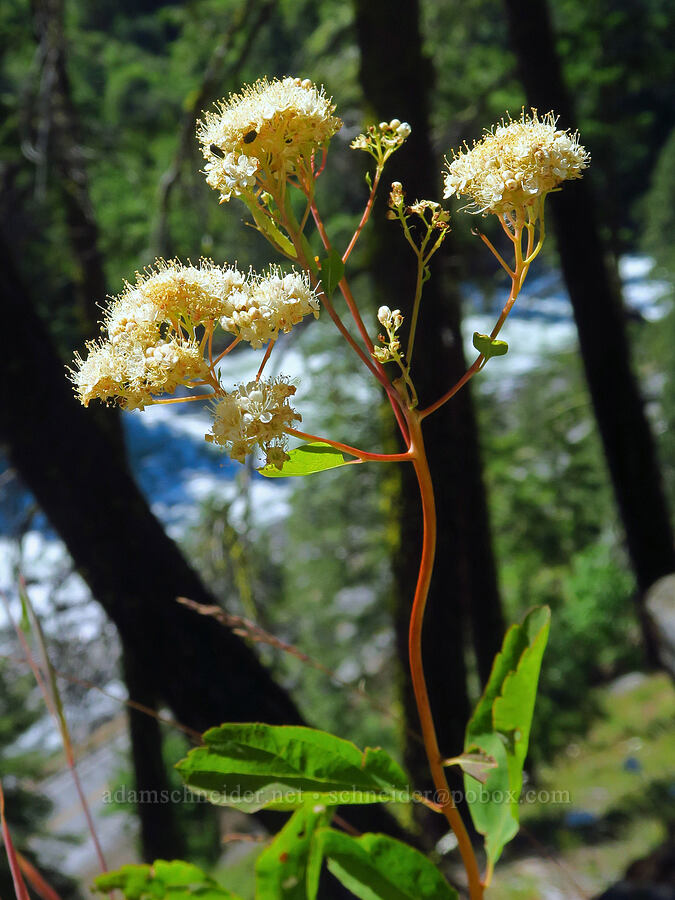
column 514, row 164
column 265, row 133
column 255, row 415
column 270, row 304
column 150, row 347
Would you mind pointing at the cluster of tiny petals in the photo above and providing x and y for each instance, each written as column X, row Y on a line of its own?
column 231, row 176
column 514, row 163
column 270, row 125
column 255, row 416
column 269, row 304
column 195, row 294
column 146, row 351
column 132, row 373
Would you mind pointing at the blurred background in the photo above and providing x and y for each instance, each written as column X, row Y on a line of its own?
column 553, row 470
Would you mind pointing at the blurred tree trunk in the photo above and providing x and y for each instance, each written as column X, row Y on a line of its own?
column 56, row 118
column 627, row 439
column 57, row 144
column 202, row 671
column 160, row 835
column 397, row 78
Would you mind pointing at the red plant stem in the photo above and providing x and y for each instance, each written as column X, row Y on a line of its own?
column 226, row 351
column 363, row 455
column 467, row 376
column 445, row 800
column 517, row 278
column 20, row 889
column 265, row 358
column 365, row 216
column 376, row 367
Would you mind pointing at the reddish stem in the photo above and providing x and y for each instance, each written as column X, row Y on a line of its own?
column 363, row 455
column 364, row 217
column 265, row 358
column 445, row 799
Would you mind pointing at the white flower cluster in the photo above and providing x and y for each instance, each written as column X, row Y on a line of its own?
column 150, row 346
column 515, row 163
column 131, row 373
column 193, row 295
column 268, row 304
column 390, row 346
column 270, row 127
column 255, row 415
column 231, row 175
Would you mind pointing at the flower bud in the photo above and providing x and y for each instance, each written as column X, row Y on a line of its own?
column 384, row 315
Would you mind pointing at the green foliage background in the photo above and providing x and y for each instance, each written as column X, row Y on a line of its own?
column 134, row 67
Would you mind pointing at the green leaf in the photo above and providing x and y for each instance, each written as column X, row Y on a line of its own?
column 488, row 346
column 500, row 727
column 176, row 880
column 307, row 459
column 266, row 227
column 332, row 270
column 281, row 870
column 377, row 867
column 255, row 766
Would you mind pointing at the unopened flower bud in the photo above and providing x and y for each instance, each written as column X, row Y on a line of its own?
column 396, row 195
column 384, row 315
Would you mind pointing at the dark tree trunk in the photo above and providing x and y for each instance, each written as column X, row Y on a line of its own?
column 396, row 78
column 205, row 673
column 619, row 410
column 160, row 835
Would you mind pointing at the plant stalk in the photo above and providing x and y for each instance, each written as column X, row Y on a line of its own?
column 445, row 800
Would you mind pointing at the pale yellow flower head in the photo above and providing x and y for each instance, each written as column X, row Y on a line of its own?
column 255, row 415
column 514, row 164
column 131, row 373
column 269, row 304
column 270, row 127
column 193, row 294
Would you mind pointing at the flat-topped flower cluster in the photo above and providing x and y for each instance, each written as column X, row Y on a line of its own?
column 514, row 164
column 259, row 137
column 255, row 414
column 158, row 330
column 258, row 145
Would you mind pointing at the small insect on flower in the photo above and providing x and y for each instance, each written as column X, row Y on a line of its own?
column 274, row 125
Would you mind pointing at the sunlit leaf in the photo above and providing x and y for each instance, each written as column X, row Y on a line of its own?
column 488, row 346
column 255, row 766
column 377, row 867
column 307, row 459
column 500, row 727
column 281, row 870
column 175, row 880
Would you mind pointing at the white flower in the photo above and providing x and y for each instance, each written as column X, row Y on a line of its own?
column 268, row 304
column 515, row 163
column 169, row 291
column 277, row 123
column 231, row 175
column 253, row 415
